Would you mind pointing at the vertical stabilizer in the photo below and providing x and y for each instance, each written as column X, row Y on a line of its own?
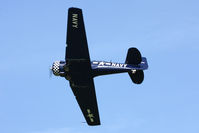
column 134, row 56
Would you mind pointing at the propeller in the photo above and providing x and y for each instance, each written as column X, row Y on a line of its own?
column 50, row 72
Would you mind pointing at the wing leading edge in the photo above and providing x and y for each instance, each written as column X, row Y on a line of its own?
column 77, row 56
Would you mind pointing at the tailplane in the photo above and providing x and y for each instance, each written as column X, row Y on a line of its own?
column 134, row 57
column 137, row 76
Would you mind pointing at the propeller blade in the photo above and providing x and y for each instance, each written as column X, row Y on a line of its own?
column 50, row 72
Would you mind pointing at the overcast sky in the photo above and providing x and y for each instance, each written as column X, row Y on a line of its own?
column 32, row 37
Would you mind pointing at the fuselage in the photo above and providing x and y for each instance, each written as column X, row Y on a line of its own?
column 61, row 68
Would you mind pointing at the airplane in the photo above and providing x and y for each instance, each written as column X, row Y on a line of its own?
column 80, row 71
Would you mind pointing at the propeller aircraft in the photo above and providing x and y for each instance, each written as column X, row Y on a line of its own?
column 80, row 71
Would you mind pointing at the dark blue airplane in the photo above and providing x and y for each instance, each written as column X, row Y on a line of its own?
column 80, row 71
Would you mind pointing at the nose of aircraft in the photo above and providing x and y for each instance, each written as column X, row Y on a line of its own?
column 55, row 68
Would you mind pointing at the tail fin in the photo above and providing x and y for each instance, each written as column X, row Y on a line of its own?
column 134, row 56
column 137, row 76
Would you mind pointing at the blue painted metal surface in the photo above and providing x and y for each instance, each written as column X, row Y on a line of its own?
column 119, row 66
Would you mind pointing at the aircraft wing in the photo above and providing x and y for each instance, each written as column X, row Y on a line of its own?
column 77, row 47
column 78, row 60
column 86, row 98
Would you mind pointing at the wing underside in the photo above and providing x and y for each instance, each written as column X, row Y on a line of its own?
column 78, row 60
column 85, row 96
column 77, row 47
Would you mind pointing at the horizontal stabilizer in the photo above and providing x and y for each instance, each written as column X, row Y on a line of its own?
column 137, row 76
column 134, row 56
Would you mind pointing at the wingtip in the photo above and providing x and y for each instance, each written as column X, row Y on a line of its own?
column 96, row 124
column 74, row 8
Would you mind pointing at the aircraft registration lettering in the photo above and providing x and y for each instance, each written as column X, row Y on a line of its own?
column 75, row 20
column 95, row 62
column 110, row 64
column 101, row 63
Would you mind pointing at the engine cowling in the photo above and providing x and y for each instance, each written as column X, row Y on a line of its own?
column 58, row 68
